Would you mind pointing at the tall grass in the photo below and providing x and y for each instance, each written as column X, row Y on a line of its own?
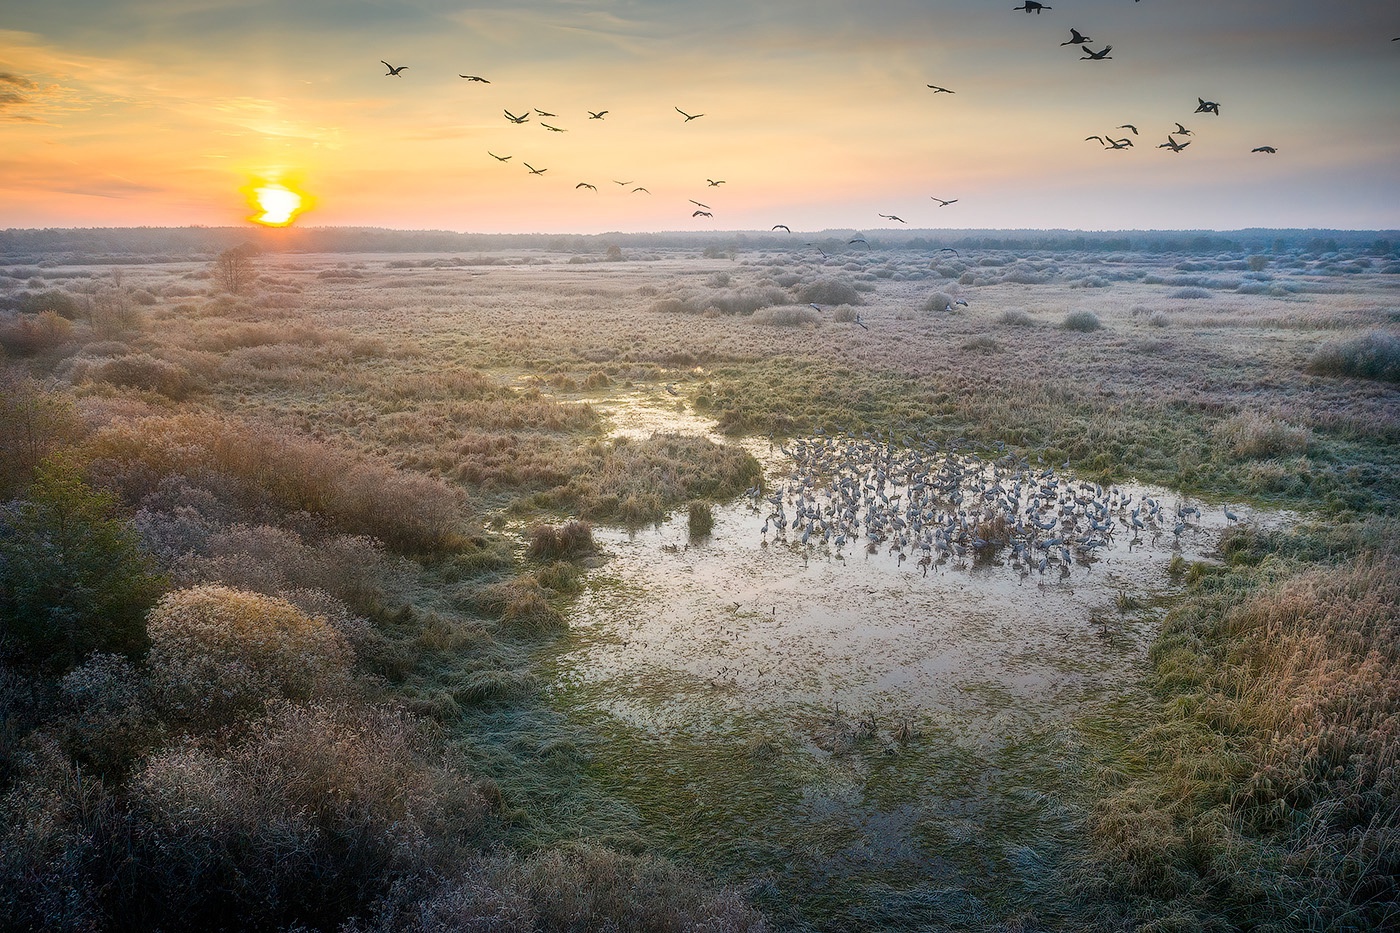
column 1373, row 355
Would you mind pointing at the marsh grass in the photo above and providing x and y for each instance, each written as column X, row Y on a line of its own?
column 1373, row 355
column 1082, row 321
column 568, row 541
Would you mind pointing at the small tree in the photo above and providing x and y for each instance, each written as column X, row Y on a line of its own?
column 234, row 270
column 72, row 578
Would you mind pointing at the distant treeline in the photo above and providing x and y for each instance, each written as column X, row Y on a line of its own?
column 157, row 244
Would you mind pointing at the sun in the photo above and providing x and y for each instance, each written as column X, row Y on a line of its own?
column 279, row 204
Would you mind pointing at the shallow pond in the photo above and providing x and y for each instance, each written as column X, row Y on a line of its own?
column 863, row 738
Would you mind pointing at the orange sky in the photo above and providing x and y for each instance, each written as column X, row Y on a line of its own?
column 817, row 114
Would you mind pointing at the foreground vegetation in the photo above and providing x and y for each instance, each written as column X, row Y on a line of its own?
column 275, row 566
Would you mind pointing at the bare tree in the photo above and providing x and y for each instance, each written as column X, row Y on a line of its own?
column 234, row 270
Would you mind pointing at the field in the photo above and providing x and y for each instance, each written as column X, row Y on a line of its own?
column 385, row 590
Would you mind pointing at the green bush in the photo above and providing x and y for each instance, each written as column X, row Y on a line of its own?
column 72, row 577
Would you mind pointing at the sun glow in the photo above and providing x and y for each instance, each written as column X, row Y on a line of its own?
column 279, row 204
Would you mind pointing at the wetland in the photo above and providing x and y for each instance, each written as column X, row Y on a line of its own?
column 734, row 585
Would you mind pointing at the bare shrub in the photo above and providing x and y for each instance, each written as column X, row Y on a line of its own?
column 218, row 655
column 844, row 314
column 1191, row 293
column 568, row 541
column 1016, row 317
column 1158, row 319
column 1251, row 435
column 1373, row 355
column 312, row 818
column 1082, row 321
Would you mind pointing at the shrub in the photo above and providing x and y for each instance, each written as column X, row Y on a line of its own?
column 524, row 607
column 143, row 371
column 701, row 519
column 1016, row 317
column 1191, row 293
column 938, row 301
column 983, row 342
column 1373, row 355
column 29, row 334
column 829, row 290
column 844, row 314
column 218, row 655
column 568, row 541
column 790, row 316
column 1082, row 321
column 72, row 577
column 34, row 424
column 56, row 300
column 107, row 723
column 1252, row 435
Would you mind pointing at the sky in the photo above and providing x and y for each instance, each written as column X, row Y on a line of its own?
column 816, row 113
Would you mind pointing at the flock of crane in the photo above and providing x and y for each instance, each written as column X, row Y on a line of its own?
column 915, row 501
column 1078, row 40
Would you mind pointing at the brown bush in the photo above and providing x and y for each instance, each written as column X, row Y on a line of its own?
column 569, row 541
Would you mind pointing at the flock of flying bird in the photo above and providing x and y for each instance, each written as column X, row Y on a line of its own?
column 936, row 506
column 1109, row 141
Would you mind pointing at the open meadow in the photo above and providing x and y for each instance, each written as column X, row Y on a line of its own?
column 982, row 583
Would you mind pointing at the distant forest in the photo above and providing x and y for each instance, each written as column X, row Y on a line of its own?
column 167, row 244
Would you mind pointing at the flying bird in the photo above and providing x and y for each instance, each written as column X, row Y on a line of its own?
column 943, row 203
column 1173, row 145
column 1181, row 131
column 782, row 227
column 523, row 118
column 893, row 217
column 713, row 183
column 949, row 249
column 1109, row 142
column 814, row 306
column 819, row 249
column 689, row 116
column 702, row 214
column 552, row 129
column 622, row 183
column 941, row 90
column 1207, row 106
column 1032, row 7
column 1075, row 38
column 697, row 203
column 858, row 240
column 584, row 184
column 496, row 157
column 1264, row 149
column 393, row 72
column 533, row 170
column 642, row 190
column 474, row 78
column 1128, row 126
column 1091, row 56
column 544, row 114
column 597, row 114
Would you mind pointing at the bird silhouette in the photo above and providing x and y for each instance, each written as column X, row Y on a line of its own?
column 642, row 190
column 533, row 170
column 892, row 217
column 1091, row 56
column 393, row 72
column 474, row 78
column 702, row 214
column 597, row 114
column 544, row 114
column 552, row 129
column 584, row 184
column 689, row 116
column 782, row 227
column 1075, row 38
column 1207, row 106
column 498, row 158
column 523, row 118
column 1264, row 149
column 697, row 203
column 1128, row 126
column 713, row 183
column 1173, row 145
column 940, row 90
column 1032, row 7
column 818, row 249
column 943, row 203
column 622, row 183
column 949, row 249
column 1181, row 131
